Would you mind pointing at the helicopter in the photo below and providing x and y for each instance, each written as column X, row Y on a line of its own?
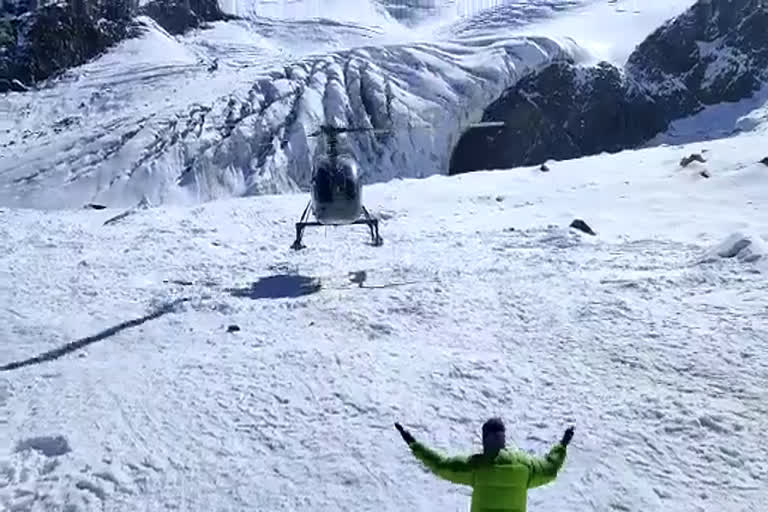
column 335, row 187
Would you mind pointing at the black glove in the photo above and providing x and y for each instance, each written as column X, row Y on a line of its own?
column 407, row 437
column 567, row 436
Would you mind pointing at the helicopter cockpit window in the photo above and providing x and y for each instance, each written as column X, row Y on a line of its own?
column 350, row 185
column 349, row 181
column 323, row 185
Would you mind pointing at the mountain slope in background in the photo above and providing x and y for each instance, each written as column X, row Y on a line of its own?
column 186, row 119
column 713, row 53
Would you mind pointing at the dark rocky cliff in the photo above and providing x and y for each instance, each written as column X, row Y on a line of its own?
column 715, row 52
column 38, row 41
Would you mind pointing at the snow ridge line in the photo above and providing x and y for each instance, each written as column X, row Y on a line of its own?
column 107, row 333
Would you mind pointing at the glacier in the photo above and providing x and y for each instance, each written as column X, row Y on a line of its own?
column 226, row 111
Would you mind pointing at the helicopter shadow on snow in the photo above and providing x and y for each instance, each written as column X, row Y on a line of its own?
column 279, row 286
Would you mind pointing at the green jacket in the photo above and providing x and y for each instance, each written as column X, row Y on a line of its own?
column 499, row 485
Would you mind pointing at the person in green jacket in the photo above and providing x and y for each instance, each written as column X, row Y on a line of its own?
column 500, row 478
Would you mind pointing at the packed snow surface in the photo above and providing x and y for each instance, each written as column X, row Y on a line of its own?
column 184, row 358
column 126, row 385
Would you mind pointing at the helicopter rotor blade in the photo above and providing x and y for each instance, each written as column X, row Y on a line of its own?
column 479, row 124
column 488, row 124
column 328, row 130
column 361, row 129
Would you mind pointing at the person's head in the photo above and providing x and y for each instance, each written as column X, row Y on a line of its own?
column 494, row 438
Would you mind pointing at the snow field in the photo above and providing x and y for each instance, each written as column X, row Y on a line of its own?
column 481, row 302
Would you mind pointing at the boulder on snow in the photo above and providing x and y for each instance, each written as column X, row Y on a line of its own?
column 693, row 157
column 746, row 247
column 565, row 111
column 174, row 16
column 582, row 226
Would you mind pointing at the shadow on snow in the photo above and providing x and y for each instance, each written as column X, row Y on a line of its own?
column 280, row 286
column 84, row 342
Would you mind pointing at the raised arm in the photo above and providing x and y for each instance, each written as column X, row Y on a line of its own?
column 453, row 469
column 545, row 469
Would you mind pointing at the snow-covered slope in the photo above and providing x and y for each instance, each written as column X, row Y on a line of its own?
column 226, row 111
column 194, row 117
column 610, row 31
column 481, row 302
column 224, row 147
column 720, row 120
column 198, row 128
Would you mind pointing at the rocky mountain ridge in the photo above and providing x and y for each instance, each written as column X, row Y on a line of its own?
column 715, row 52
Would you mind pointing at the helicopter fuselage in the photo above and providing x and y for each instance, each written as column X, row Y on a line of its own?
column 336, row 190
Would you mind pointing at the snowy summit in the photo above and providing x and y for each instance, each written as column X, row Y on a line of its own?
column 163, row 348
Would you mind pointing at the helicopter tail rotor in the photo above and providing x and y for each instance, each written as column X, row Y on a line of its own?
column 334, row 130
column 488, row 124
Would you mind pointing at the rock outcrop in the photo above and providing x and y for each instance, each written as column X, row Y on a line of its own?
column 39, row 42
column 715, row 52
column 179, row 16
column 565, row 111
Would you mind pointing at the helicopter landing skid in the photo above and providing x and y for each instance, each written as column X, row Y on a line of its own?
column 371, row 222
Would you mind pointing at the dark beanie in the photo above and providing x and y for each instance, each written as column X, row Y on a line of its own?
column 493, row 425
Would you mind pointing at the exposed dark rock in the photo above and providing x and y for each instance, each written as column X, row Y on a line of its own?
column 705, row 173
column 12, row 85
column 7, row 33
column 764, row 161
column 582, row 226
column 544, row 168
column 693, row 157
column 715, row 52
column 17, row 7
column 565, row 111
column 40, row 42
column 178, row 16
column 174, row 16
column 233, row 328
column 36, row 46
column 208, row 10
